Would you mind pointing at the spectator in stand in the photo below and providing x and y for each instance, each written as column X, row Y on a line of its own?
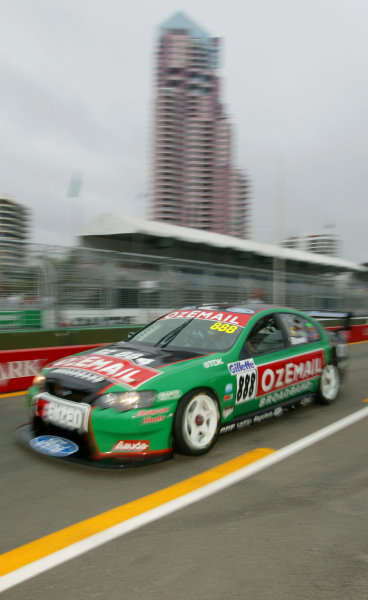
column 257, row 298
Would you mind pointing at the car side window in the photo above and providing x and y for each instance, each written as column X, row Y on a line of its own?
column 299, row 330
column 266, row 336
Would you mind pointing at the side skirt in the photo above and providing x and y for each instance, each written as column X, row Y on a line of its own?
column 262, row 414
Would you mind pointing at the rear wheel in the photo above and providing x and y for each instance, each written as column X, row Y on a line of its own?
column 197, row 423
column 329, row 385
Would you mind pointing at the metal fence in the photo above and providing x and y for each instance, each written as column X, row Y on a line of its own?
column 56, row 287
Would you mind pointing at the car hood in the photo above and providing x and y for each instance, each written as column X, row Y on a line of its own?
column 130, row 365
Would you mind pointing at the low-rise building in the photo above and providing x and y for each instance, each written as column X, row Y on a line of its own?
column 320, row 243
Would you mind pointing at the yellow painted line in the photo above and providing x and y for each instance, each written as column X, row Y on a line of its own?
column 24, row 555
column 39, row 556
column 13, row 394
column 361, row 342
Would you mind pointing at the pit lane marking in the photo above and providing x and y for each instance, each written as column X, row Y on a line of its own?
column 9, row 395
column 25, row 562
column 33, row 558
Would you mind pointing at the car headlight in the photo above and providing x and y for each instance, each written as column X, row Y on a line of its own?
column 39, row 382
column 126, row 400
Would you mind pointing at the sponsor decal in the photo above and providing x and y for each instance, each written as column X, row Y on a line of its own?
column 153, row 411
column 298, row 340
column 62, row 413
column 38, row 405
column 85, row 375
column 210, row 315
column 131, row 446
column 216, row 362
column 285, row 393
column 144, row 361
column 228, row 397
column 206, row 307
column 244, row 423
column 227, row 428
column 241, row 309
column 252, row 381
column 170, row 395
column 19, row 368
column 153, row 419
column 111, row 367
column 282, row 373
column 240, row 366
column 137, row 357
column 68, row 417
column 228, row 411
column 267, row 415
column 228, row 388
column 246, row 379
column 53, row 445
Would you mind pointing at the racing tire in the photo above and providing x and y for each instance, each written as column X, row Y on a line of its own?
column 329, row 385
column 196, row 423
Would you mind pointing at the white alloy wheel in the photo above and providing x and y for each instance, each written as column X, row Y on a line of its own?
column 329, row 384
column 197, row 423
column 200, row 421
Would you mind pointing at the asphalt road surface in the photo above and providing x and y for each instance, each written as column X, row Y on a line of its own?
column 295, row 530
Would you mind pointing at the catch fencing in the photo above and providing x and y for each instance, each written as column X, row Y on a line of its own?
column 56, row 287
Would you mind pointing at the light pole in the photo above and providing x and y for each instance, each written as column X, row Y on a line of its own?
column 279, row 208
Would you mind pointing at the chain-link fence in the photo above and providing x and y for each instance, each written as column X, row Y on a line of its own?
column 57, row 287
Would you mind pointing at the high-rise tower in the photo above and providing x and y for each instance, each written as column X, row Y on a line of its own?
column 195, row 183
column 14, row 232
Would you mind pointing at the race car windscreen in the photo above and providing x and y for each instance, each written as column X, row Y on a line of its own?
column 191, row 334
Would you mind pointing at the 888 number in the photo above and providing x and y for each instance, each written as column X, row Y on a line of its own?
column 246, row 386
column 226, row 327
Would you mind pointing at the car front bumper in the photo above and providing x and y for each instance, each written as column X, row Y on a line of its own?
column 44, row 444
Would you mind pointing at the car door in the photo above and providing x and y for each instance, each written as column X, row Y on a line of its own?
column 306, row 355
column 265, row 345
column 281, row 359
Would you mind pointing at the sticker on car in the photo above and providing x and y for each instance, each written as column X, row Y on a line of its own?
column 53, row 446
column 111, row 367
column 62, row 413
column 246, row 379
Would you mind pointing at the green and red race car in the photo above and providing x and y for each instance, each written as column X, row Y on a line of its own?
column 180, row 382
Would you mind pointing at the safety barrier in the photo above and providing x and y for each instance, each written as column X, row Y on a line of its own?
column 19, row 367
column 58, row 287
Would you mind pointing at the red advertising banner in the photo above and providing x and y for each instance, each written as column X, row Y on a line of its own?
column 18, row 367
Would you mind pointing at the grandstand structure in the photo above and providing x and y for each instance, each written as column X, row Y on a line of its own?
column 119, row 233
column 128, row 270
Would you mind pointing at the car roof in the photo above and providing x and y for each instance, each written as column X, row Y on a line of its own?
column 235, row 307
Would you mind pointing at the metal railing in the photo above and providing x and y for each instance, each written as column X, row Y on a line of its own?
column 57, row 286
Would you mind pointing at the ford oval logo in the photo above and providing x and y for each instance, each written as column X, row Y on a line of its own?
column 53, row 445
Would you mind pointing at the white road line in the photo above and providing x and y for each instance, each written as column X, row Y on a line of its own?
column 57, row 558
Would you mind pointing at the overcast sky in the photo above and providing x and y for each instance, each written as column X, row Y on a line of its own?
column 76, row 91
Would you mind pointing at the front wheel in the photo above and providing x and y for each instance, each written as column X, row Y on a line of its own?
column 197, row 423
column 329, row 385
